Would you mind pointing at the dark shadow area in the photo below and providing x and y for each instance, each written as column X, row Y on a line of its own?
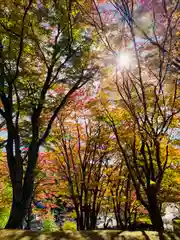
column 64, row 235
column 92, row 235
column 115, row 234
column 145, row 235
column 161, row 236
column 95, row 235
column 17, row 235
column 171, row 235
column 138, row 226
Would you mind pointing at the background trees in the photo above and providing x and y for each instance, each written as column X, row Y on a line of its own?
column 81, row 147
column 149, row 94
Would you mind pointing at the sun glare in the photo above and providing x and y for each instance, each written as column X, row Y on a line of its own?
column 123, row 60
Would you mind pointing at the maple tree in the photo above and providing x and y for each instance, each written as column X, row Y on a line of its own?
column 82, row 157
column 42, row 48
column 124, row 202
column 147, row 89
column 45, row 193
column 123, row 127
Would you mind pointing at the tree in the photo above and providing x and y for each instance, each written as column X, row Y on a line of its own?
column 81, row 147
column 148, row 92
column 45, row 193
column 139, row 170
column 42, row 48
column 122, row 193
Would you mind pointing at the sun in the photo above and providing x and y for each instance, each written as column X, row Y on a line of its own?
column 123, row 60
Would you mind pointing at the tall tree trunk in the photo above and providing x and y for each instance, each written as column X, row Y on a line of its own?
column 22, row 195
column 82, row 226
column 87, row 215
column 119, row 221
column 16, row 216
column 93, row 221
column 154, row 210
column 126, row 207
column 16, row 174
column 79, row 219
column 156, row 218
column 19, row 209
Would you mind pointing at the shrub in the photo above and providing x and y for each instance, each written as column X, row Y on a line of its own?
column 49, row 224
column 4, row 215
column 177, row 221
column 69, row 226
column 144, row 219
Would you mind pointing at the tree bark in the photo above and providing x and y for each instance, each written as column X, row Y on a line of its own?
column 15, row 168
column 16, row 216
column 19, row 210
column 156, row 219
column 154, row 210
column 22, row 195
column 79, row 220
column 119, row 222
column 93, row 221
column 82, row 226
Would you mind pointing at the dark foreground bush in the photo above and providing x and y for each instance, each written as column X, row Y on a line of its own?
column 141, row 227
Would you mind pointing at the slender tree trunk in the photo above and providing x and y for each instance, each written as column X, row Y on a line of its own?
column 77, row 219
column 126, row 207
column 93, row 221
column 87, row 216
column 134, row 217
column 82, row 226
column 119, row 222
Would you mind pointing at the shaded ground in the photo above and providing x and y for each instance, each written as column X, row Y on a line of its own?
column 95, row 235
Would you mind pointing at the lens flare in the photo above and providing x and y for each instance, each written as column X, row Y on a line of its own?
column 123, row 60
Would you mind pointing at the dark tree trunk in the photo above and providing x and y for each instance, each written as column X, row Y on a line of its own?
column 119, row 222
column 126, row 207
column 87, row 216
column 134, row 217
column 15, row 168
column 19, row 210
column 156, row 219
column 93, row 221
column 82, row 226
column 16, row 216
column 22, row 195
column 77, row 222
column 80, row 221
column 154, row 210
